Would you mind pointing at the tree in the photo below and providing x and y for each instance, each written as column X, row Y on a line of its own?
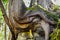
column 20, row 19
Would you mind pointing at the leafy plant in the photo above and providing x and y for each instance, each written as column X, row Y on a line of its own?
column 56, row 33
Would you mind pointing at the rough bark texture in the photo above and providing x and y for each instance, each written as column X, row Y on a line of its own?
column 20, row 21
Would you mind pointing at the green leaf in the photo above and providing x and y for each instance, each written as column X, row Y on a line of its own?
column 0, row 13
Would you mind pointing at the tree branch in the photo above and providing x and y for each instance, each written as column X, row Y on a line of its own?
column 5, row 16
column 4, row 12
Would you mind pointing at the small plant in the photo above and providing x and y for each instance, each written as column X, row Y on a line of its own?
column 56, row 33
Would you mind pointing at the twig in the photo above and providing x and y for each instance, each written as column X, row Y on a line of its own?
column 5, row 16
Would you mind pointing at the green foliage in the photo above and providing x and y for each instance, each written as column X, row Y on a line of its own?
column 5, row 2
column 34, row 8
column 52, row 16
column 1, row 18
column 2, row 21
column 1, row 26
column 1, row 35
column 56, row 34
column 55, row 7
